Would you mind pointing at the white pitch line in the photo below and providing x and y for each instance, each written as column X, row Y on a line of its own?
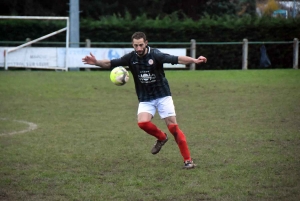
column 31, row 126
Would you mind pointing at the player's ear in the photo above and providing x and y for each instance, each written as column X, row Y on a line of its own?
column 146, row 42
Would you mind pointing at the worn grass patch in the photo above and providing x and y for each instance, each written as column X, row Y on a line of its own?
column 242, row 128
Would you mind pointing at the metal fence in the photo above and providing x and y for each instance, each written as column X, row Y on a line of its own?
column 191, row 46
column 245, row 44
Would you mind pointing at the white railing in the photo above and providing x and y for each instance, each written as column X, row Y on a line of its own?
column 193, row 44
column 245, row 44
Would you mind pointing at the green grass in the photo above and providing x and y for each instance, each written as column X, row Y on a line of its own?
column 242, row 127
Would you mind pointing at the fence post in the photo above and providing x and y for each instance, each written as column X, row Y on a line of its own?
column 245, row 54
column 87, row 43
column 193, row 53
column 5, row 59
column 296, row 53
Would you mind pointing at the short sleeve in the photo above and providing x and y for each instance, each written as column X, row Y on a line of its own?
column 123, row 61
column 165, row 58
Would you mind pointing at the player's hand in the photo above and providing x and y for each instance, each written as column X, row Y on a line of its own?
column 89, row 59
column 201, row 59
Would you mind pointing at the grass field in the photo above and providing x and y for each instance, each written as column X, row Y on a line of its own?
column 242, row 127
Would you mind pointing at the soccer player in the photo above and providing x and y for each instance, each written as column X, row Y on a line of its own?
column 152, row 89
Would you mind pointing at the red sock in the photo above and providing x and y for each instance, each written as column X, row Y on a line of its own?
column 180, row 140
column 151, row 129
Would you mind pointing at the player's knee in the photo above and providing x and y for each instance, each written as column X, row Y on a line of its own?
column 177, row 133
column 143, row 125
column 173, row 128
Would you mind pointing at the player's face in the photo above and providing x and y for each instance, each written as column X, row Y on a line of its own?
column 139, row 46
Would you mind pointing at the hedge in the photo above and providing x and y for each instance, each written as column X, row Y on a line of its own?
column 172, row 29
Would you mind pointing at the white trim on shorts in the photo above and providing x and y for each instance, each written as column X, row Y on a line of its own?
column 164, row 106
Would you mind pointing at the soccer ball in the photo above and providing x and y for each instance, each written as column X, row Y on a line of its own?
column 119, row 76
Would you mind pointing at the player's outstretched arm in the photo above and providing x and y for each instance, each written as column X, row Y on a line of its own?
column 189, row 60
column 91, row 59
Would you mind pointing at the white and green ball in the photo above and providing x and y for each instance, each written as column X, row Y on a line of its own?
column 119, row 76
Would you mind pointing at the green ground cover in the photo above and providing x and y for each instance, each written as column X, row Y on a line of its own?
column 242, row 127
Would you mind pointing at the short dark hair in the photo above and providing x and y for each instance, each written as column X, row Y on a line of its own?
column 139, row 35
